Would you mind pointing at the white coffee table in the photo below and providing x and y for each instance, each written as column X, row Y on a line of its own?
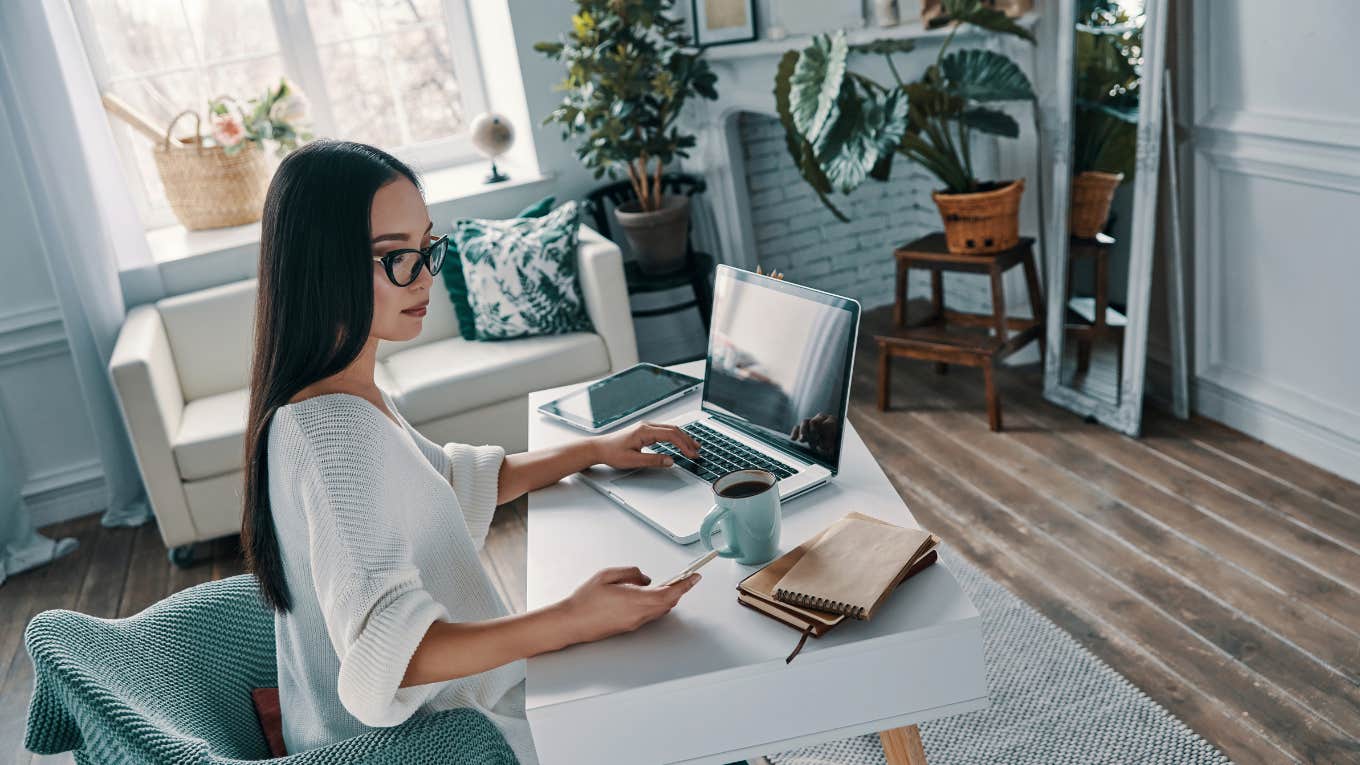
column 707, row 683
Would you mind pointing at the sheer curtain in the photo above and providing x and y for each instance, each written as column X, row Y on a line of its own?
column 88, row 221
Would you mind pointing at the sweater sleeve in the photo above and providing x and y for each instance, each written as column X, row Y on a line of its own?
column 474, row 472
column 373, row 602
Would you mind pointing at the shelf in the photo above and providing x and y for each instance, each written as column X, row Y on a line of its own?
column 914, row 30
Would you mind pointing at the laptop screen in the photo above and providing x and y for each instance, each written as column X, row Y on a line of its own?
column 779, row 359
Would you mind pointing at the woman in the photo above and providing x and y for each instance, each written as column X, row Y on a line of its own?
column 363, row 533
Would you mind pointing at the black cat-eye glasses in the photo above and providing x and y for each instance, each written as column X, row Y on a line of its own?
column 403, row 266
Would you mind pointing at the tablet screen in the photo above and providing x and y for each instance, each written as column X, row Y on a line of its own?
column 620, row 395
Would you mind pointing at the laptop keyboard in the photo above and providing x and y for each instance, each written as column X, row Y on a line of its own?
column 719, row 455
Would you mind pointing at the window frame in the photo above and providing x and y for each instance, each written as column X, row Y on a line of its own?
column 297, row 49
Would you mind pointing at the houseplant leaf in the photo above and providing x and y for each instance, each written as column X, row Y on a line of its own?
column 815, row 84
column 983, row 75
column 799, row 149
column 866, row 129
column 979, row 15
column 991, row 121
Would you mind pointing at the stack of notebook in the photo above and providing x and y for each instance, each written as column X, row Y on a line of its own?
column 846, row 570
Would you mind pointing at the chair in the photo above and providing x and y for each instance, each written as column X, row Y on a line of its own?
column 698, row 265
column 173, row 685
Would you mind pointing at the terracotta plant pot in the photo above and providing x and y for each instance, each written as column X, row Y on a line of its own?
column 657, row 238
column 981, row 222
column 1092, row 193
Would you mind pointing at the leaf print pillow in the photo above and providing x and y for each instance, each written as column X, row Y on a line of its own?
column 521, row 274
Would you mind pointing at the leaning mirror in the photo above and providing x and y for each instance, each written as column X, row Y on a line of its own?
column 1100, row 237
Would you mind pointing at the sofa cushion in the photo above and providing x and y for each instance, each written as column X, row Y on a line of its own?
column 455, row 375
column 210, row 334
column 211, row 438
column 456, row 285
column 522, row 275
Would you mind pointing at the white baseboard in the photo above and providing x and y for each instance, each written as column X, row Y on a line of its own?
column 1306, row 440
column 73, row 493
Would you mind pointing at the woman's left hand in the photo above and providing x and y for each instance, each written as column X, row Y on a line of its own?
column 624, row 448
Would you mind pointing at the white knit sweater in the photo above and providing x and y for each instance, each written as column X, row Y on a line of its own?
column 380, row 530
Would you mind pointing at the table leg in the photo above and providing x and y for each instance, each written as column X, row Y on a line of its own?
column 937, row 309
column 902, row 746
column 884, row 377
column 993, row 398
column 937, row 294
column 900, row 294
column 998, row 303
column 1036, row 300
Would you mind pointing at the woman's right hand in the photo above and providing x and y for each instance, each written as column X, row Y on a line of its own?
column 617, row 600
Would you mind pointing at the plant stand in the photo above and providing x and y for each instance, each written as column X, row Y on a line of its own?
column 932, row 339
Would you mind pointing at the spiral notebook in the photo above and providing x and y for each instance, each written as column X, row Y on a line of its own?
column 853, row 567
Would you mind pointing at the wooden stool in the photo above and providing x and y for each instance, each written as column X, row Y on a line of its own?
column 1092, row 319
column 930, row 339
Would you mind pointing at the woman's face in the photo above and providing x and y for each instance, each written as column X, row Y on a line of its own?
column 399, row 221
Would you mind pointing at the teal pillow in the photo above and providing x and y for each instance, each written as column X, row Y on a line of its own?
column 452, row 271
column 522, row 274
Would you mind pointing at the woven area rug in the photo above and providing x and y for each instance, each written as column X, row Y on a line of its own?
column 1052, row 702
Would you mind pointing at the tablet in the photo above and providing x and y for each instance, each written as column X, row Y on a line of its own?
column 620, row 397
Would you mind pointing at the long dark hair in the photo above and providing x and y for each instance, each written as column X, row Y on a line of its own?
column 313, row 308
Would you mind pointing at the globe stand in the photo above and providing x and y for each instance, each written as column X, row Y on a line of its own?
column 496, row 175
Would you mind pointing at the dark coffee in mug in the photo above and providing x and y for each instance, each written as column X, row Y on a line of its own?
column 744, row 489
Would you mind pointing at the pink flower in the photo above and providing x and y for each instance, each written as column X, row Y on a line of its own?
column 228, row 130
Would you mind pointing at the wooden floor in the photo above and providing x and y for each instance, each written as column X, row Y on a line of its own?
column 1219, row 575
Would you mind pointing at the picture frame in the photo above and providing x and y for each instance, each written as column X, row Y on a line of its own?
column 722, row 22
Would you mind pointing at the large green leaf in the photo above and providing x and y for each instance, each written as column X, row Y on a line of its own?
column 984, row 75
column 991, row 121
column 885, row 46
column 816, row 84
column 867, row 127
column 980, row 15
column 783, row 74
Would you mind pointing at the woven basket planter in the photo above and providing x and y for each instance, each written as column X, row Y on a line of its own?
column 1092, row 193
column 207, row 188
column 983, row 222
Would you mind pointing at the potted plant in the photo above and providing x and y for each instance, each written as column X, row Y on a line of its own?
column 630, row 71
column 843, row 127
column 1109, row 52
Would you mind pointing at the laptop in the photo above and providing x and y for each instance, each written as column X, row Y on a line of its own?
column 775, row 394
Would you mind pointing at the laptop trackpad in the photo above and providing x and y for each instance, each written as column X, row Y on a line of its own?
column 652, row 480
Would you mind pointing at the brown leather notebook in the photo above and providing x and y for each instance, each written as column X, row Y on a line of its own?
column 853, row 567
column 756, row 591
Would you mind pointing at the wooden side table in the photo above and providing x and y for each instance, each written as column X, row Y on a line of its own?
column 931, row 339
column 1093, row 319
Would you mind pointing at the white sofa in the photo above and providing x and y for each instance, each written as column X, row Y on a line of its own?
column 181, row 371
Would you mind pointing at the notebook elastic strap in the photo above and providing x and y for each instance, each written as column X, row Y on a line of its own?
column 806, row 631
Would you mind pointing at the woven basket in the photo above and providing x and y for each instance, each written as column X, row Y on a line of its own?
column 205, row 187
column 1092, row 193
column 981, row 223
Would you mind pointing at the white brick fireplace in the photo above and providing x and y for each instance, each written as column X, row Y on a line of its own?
column 764, row 213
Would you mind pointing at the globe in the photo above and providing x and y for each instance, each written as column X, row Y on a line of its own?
column 492, row 134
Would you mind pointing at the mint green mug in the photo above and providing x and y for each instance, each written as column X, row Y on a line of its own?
column 747, row 507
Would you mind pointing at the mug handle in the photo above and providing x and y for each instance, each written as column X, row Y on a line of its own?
column 716, row 514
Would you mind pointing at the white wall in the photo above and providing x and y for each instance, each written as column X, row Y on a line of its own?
column 44, row 427
column 1276, row 115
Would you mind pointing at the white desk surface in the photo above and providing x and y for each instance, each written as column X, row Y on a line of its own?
column 708, row 682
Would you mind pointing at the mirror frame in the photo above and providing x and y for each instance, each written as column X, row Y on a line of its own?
column 1125, row 415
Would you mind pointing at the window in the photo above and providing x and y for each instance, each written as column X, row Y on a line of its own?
column 400, row 74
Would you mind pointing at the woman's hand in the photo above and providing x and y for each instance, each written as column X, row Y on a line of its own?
column 624, row 448
column 618, row 600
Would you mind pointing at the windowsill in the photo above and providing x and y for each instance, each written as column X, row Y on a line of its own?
column 443, row 187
